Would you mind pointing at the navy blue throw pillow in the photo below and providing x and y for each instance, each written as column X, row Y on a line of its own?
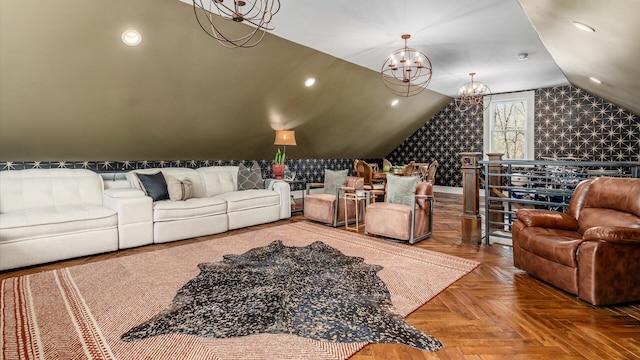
column 154, row 185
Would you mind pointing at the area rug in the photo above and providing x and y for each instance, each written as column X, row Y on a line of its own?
column 132, row 307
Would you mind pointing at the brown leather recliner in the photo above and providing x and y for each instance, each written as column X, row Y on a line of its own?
column 322, row 207
column 403, row 222
column 593, row 250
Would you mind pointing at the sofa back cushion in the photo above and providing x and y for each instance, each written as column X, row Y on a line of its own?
column 37, row 188
column 611, row 202
column 178, row 173
column 219, row 179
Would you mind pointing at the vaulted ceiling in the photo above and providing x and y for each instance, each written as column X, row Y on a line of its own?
column 69, row 88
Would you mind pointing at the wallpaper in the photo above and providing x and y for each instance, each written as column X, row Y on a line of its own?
column 569, row 122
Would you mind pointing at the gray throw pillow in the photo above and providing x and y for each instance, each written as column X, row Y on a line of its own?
column 334, row 180
column 400, row 188
column 250, row 178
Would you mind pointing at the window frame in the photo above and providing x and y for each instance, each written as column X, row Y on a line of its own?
column 488, row 120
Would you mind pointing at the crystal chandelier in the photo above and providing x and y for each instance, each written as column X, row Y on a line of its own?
column 473, row 96
column 407, row 71
column 257, row 14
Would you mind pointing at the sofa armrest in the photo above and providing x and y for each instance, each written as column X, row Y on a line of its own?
column 135, row 216
column 284, row 190
column 118, row 193
column 547, row 219
column 615, row 234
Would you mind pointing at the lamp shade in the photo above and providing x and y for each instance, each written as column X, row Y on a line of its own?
column 285, row 137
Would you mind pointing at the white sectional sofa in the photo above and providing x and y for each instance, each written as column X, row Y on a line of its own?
column 51, row 215
column 54, row 214
column 217, row 205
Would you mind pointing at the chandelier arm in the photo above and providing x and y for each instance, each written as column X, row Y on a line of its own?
column 254, row 17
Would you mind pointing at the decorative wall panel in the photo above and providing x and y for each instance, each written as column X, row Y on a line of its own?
column 569, row 123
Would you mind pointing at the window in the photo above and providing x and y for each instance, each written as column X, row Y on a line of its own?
column 508, row 125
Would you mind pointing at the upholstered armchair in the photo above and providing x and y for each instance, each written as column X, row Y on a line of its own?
column 592, row 251
column 406, row 217
column 326, row 206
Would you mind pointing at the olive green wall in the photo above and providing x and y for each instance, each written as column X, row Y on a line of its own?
column 70, row 89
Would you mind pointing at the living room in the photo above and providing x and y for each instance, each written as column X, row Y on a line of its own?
column 72, row 95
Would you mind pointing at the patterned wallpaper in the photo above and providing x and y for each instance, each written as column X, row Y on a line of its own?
column 309, row 170
column 569, row 122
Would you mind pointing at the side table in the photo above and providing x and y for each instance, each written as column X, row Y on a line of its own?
column 361, row 198
column 294, row 207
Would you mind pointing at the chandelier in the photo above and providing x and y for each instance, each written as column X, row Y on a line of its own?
column 257, row 14
column 407, row 71
column 472, row 95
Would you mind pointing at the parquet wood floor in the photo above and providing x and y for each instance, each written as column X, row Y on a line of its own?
column 495, row 312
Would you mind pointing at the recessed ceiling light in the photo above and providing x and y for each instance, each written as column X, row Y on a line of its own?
column 131, row 38
column 583, row 26
column 595, row 80
column 309, row 82
column 395, row 102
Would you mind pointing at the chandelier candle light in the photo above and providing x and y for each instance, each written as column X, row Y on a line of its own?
column 257, row 14
column 473, row 96
column 407, row 71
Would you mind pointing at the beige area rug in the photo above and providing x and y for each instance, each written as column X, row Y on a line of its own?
column 82, row 311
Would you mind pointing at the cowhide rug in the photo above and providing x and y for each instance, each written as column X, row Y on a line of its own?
column 314, row 291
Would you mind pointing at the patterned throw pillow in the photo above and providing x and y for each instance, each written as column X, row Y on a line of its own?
column 334, row 180
column 250, row 178
column 179, row 190
column 400, row 188
column 154, row 185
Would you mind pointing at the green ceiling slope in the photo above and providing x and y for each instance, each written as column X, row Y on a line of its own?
column 69, row 89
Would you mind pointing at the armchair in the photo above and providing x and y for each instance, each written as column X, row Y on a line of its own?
column 592, row 251
column 410, row 222
column 327, row 207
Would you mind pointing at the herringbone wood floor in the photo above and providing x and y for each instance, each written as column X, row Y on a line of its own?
column 495, row 312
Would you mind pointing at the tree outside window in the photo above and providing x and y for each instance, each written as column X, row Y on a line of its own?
column 509, row 125
column 508, row 132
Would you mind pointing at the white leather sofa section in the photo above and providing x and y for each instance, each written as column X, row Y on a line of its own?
column 53, row 214
column 217, row 205
column 135, row 222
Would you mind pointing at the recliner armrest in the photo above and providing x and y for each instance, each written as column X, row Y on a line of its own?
column 616, row 234
column 547, row 219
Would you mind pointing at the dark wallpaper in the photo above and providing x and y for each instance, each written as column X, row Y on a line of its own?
column 569, row 122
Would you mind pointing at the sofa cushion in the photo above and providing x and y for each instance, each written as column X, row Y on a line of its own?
column 154, row 185
column 250, row 178
column 556, row 245
column 179, row 190
column 389, row 219
column 218, row 179
column 168, row 210
column 591, row 217
column 55, row 220
column 249, row 199
column 32, row 188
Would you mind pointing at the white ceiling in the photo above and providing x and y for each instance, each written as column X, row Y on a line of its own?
column 458, row 36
